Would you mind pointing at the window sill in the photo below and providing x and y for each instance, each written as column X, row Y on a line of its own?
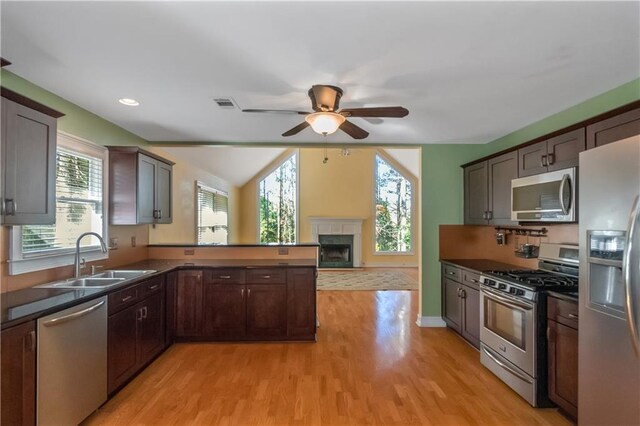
column 41, row 263
column 393, row 253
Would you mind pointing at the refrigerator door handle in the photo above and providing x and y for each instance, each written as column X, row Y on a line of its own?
column 630, row 279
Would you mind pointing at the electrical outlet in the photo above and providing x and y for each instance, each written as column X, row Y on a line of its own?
column 283, row 251
column 113, row 243
column 189, row 252
column 133, row 241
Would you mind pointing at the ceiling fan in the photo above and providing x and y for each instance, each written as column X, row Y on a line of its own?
column 327, row 119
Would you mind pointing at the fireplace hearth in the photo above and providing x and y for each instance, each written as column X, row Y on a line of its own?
column 336, row 251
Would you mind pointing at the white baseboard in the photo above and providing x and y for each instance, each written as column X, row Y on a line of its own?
column 430, row 322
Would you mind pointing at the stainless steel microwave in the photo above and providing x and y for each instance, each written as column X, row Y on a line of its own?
column 548, row 197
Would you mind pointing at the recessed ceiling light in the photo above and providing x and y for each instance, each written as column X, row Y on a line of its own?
column 128, row 102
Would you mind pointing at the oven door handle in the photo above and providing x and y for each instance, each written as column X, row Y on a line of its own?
column 507, row 300
column 506, row 367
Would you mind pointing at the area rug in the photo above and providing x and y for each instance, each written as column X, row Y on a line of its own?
column 366, row 280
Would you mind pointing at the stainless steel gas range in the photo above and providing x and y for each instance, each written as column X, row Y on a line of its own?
column 513, row 312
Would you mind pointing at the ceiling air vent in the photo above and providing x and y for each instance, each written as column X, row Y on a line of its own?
column 226, row 103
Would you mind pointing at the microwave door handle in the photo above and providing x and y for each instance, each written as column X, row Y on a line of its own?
column 630, row 278
column 563, row 183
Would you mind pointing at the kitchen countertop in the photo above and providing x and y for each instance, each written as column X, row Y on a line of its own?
column 235, row 245
column 480, row 265
column 31, row 303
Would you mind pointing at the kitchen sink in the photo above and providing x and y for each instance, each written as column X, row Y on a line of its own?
column 102, row 280
column 86, row 282
column 125, row 274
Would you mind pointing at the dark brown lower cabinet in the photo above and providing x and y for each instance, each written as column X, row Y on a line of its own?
column 243, row 304
column 135, row 336
column 266, row 311
column 301, row 303
column 225, row 311
column 18, row 374
column 461, row 305
column 562, row 334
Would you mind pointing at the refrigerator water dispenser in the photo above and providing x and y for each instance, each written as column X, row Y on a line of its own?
column 606, row 287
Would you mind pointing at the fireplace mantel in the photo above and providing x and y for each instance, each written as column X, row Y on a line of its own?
column 340, row 226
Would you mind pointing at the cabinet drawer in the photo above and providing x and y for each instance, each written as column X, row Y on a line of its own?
column 123, row 298
column 472, row 279
column 225, row 276
column 563, row 311
column 451, row 272
column 267, row 276
column 151, row 286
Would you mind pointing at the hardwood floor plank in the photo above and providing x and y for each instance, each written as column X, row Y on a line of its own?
column 371, row 366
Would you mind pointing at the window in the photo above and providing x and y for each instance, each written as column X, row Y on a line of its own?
column 80, row 207
column 393, row 194
column 277, row 195
column 212, row 221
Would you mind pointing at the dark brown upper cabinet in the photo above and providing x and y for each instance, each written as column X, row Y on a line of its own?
column 614, row 129
column 557, row 153
column 140, row 187
column 28, row 162
column 487, row 190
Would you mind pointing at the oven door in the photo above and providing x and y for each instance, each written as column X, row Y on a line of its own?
column 508, row 327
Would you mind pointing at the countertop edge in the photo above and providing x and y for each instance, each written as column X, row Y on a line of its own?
column 233, row 245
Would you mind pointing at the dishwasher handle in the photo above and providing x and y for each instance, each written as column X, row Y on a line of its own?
column 71, row 317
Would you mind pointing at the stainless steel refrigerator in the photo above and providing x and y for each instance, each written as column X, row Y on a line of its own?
column 609, row 341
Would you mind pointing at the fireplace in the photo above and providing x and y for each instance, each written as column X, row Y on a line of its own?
column 336, row 251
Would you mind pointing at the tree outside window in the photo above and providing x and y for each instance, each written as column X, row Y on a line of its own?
column 393, row 209
column 277, row 202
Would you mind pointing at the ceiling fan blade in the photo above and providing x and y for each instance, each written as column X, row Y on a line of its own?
column 300, row 127
column 395, row 111
column 354, row 131
column 277, row 111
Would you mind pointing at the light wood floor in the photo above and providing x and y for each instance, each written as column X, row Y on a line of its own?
column 371, row 366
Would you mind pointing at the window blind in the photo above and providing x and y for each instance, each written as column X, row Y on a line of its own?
column 212, row 221
column 78, row 205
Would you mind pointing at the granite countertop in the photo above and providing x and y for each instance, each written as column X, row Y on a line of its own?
column 481, row 265
column 191, row 245
column 30, row 303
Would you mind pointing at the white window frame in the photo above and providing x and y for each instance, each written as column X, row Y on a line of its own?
column 21, row 263
column 208, row 188
column 261, row 177
column 413, row 183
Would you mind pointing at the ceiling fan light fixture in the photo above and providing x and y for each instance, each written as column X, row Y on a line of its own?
column 324, row 123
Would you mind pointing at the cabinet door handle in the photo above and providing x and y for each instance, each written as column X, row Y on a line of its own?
column 159, row 214
column 10, row 207
column 548, row 333
column 126, row 299
column 153, row 287
column 30, row 341
column 266, row 277
column 543, row 161
column 463, row 294
column 574, row 316
column 249, row 292
column 473, row 280
column 242, row 293
column 144, row 312
column 551, row 159
column 155, row 214
column 458, row 292
column 489, row 215
column 484, row 215
column 225, row 277
column 451, row 273
column 139, row 314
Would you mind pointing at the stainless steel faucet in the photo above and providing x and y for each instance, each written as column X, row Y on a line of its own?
column 77, row 262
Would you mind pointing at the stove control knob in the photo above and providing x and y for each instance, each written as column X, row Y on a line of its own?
column 489, row 282
column 520, row 293
column 513, row 290
column 502, row 286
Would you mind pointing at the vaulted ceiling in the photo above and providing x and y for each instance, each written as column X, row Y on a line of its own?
column 467, row 71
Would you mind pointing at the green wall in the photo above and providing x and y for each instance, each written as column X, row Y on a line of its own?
column 442, row 178
column 77, row 121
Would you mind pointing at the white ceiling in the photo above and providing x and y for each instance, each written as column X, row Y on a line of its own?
column 467, row 71
column 234, row 164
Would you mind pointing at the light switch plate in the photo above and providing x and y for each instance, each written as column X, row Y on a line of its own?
column 133, row 241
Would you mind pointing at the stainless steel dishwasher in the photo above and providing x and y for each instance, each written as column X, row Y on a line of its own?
column 72, row 363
